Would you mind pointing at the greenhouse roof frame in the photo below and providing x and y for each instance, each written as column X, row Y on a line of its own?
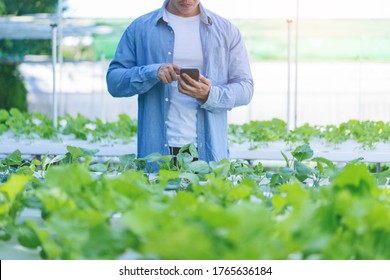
column 38, row 27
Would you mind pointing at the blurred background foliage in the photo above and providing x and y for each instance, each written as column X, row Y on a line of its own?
column 13, row 92
column 23, row 7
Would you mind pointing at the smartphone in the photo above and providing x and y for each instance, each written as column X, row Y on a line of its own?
column 192, row 72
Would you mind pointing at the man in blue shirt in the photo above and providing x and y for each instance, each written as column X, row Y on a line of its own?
column 173, row 110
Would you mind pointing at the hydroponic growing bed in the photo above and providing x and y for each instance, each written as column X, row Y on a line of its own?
column 34, row 134
column 66, row 204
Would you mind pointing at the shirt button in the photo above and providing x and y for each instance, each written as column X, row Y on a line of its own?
column 169, row 53
column 165, row 145
column 166, row 99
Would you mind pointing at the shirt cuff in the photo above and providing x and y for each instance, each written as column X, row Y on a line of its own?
column 208, row 105
column 152, row 72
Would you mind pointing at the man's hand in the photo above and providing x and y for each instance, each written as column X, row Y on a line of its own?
column 197, row 89
column 167, row 73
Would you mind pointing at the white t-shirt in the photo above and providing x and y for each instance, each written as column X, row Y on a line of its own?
column 182, row 113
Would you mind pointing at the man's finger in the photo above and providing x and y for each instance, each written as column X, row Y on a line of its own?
column 204, row 80
column 182, row 83
column 172, row 74
column 163, row 79
column 190, row 81
column 176, row 68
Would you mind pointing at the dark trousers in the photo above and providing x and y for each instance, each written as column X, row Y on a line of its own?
column 175, row 150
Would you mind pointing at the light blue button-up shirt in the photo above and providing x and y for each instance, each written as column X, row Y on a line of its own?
column 147, row 44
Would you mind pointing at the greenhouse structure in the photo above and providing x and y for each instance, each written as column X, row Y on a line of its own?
column 308, row 172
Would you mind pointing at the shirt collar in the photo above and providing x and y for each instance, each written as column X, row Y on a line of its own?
column 162, row 15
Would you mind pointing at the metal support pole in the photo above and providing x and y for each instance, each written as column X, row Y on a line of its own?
column 378, row 167
column 289, row 21
column 296, row 68
column 60, row 33
column 60, row 53
column 103, row 87
column 360, row 96
column 54, row 61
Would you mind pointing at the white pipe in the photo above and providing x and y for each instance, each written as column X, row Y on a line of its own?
column 296, row 68
column 60, row 53
column 54, row 61
column 103, row 87
column 289, row 21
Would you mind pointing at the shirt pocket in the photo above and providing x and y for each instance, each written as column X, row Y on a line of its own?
column 218, row 66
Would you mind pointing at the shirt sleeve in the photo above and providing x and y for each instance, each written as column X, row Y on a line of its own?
column 239, row 88
column 124, row 77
